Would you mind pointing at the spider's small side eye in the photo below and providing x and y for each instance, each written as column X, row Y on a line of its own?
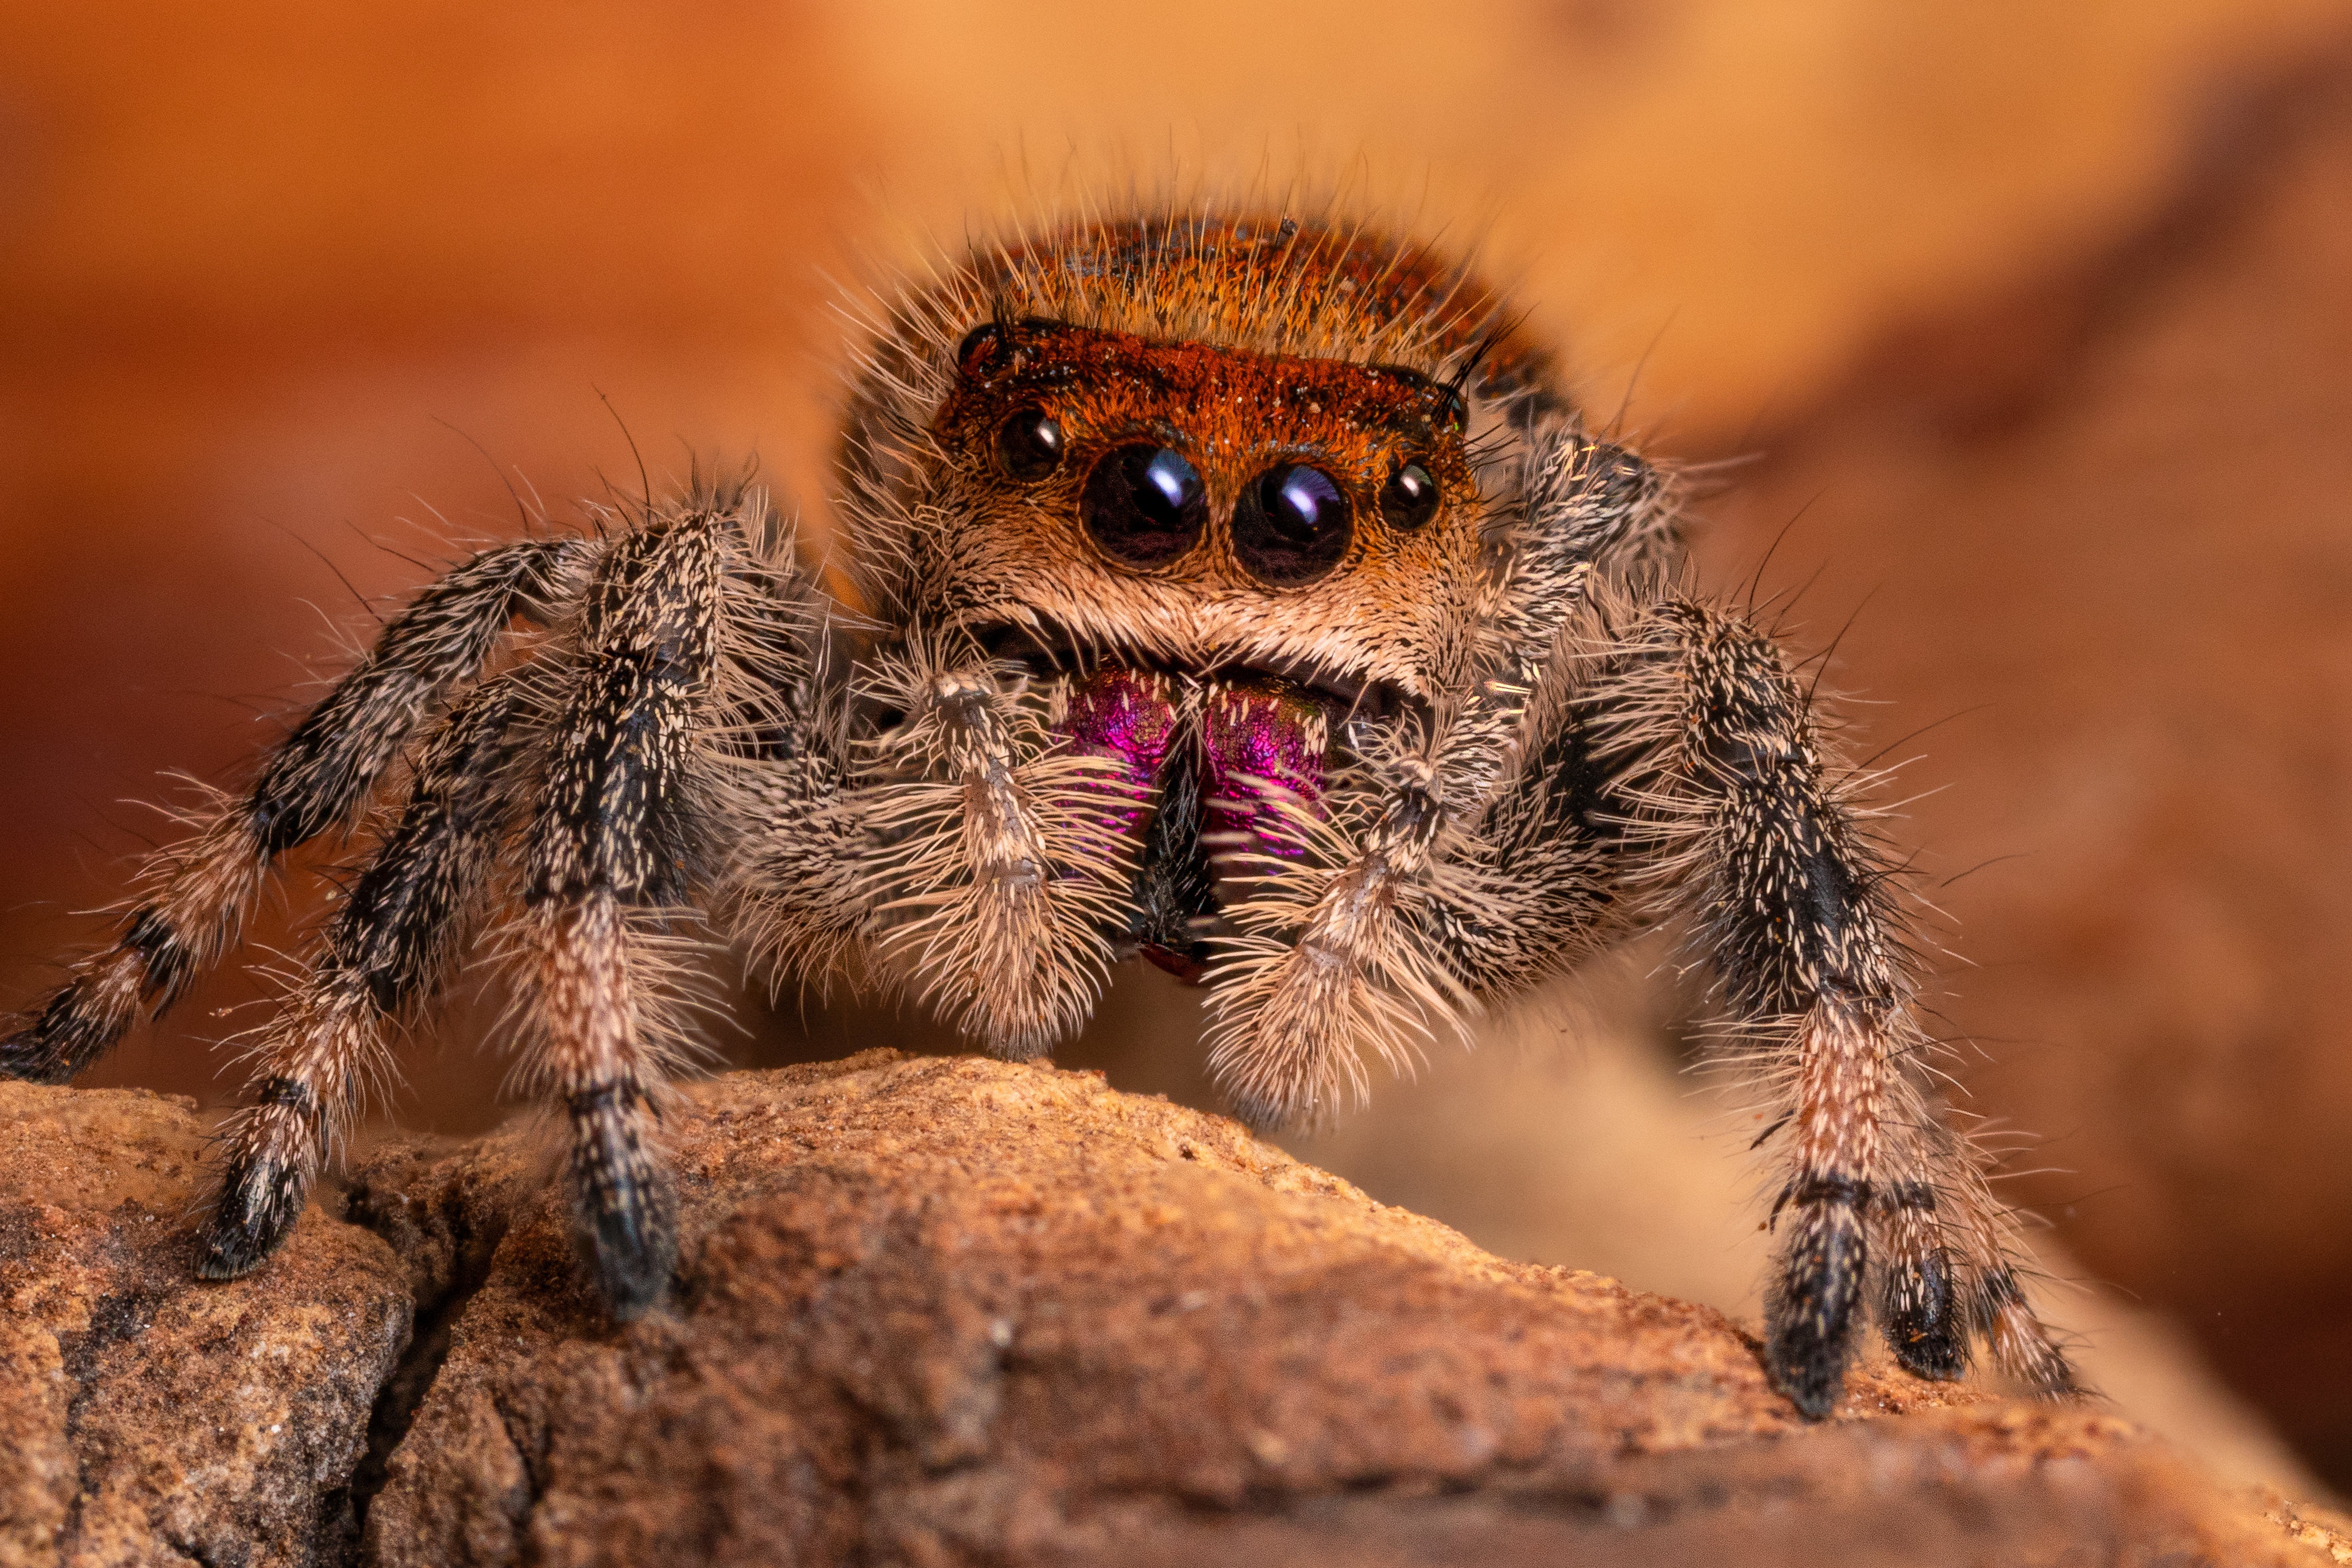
column 1409, row 497
column 1029, row 443
column 1292, row 525
column 1457, row 417
column 1145, row 504
column 982, row 340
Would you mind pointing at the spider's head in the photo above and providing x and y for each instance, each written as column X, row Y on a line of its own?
column 1232, row 488
column 1229, row 445
column 1209, row 506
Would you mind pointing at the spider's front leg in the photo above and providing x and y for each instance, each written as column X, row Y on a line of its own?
column 1706, row 783
column 682, row 654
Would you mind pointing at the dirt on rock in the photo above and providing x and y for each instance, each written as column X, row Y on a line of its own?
column 954, row 1310
column 147, row 1418
column 937, row 1311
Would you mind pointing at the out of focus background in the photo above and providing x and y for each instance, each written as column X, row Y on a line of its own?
column 2032, row 323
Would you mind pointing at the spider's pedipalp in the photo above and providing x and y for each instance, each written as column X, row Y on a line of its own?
column 1335, row 954
column 1000, row 868
column 384, row 954
column 320, row 776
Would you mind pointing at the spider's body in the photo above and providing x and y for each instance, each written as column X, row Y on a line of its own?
column 1241, row 595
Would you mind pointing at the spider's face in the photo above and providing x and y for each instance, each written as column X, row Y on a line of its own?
column 1204, row 507
column 1217, row 485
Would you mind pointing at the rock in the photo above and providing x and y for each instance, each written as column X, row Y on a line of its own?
column 953, row 1311
column 149, row 1418
column 944, row 1310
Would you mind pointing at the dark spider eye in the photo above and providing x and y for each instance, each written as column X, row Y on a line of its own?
column 1409, row 499
column 984, row 337
column 1029, row 443
column 1145, row 504
column 1292, row 525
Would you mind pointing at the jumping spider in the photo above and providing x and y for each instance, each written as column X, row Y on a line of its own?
column 1239, row 594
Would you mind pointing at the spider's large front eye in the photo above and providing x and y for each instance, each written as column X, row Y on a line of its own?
column 1145, row 504
column 1029, row 443
column 1409, row 497
column 1292, row 525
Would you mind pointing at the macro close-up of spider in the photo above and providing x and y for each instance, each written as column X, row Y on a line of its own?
column 1234, row 592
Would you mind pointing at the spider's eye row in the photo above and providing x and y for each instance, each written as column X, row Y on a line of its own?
column 1029, row 443
column 1409, row 497
column 1292, row 525
column 1145, row 504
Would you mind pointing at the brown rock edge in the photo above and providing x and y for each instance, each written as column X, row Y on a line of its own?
column 956, row 1311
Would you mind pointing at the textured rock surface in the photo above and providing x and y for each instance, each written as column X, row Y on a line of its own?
column 952, row 1310
column 144, row 1418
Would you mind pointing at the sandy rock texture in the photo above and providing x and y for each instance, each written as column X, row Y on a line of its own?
column 147, row 1419
column 939, row 1310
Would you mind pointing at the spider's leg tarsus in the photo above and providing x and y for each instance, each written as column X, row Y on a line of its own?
column 2021, row 1343
column 591, row 1011
column 1919, row 1306
column 265, row 1182
column 1817, row 1297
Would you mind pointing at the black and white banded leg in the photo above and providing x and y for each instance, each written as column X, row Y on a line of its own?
column 382, row 958
column 1735, row 822
column 615, row 849
column 318, row 779
column 1669, row 770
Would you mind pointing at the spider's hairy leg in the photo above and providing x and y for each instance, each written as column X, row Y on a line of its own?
column 1956, row 1268
column 1333, row 955
column 609, row 856
column 1004, row 865
column 1732, row 820
column 195, row 894
column 1580, row 500
column 385, row 953
column 797, row 894
column 1919, row 1304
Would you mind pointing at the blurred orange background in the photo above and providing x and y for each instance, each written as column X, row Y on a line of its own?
column 2035, row 320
